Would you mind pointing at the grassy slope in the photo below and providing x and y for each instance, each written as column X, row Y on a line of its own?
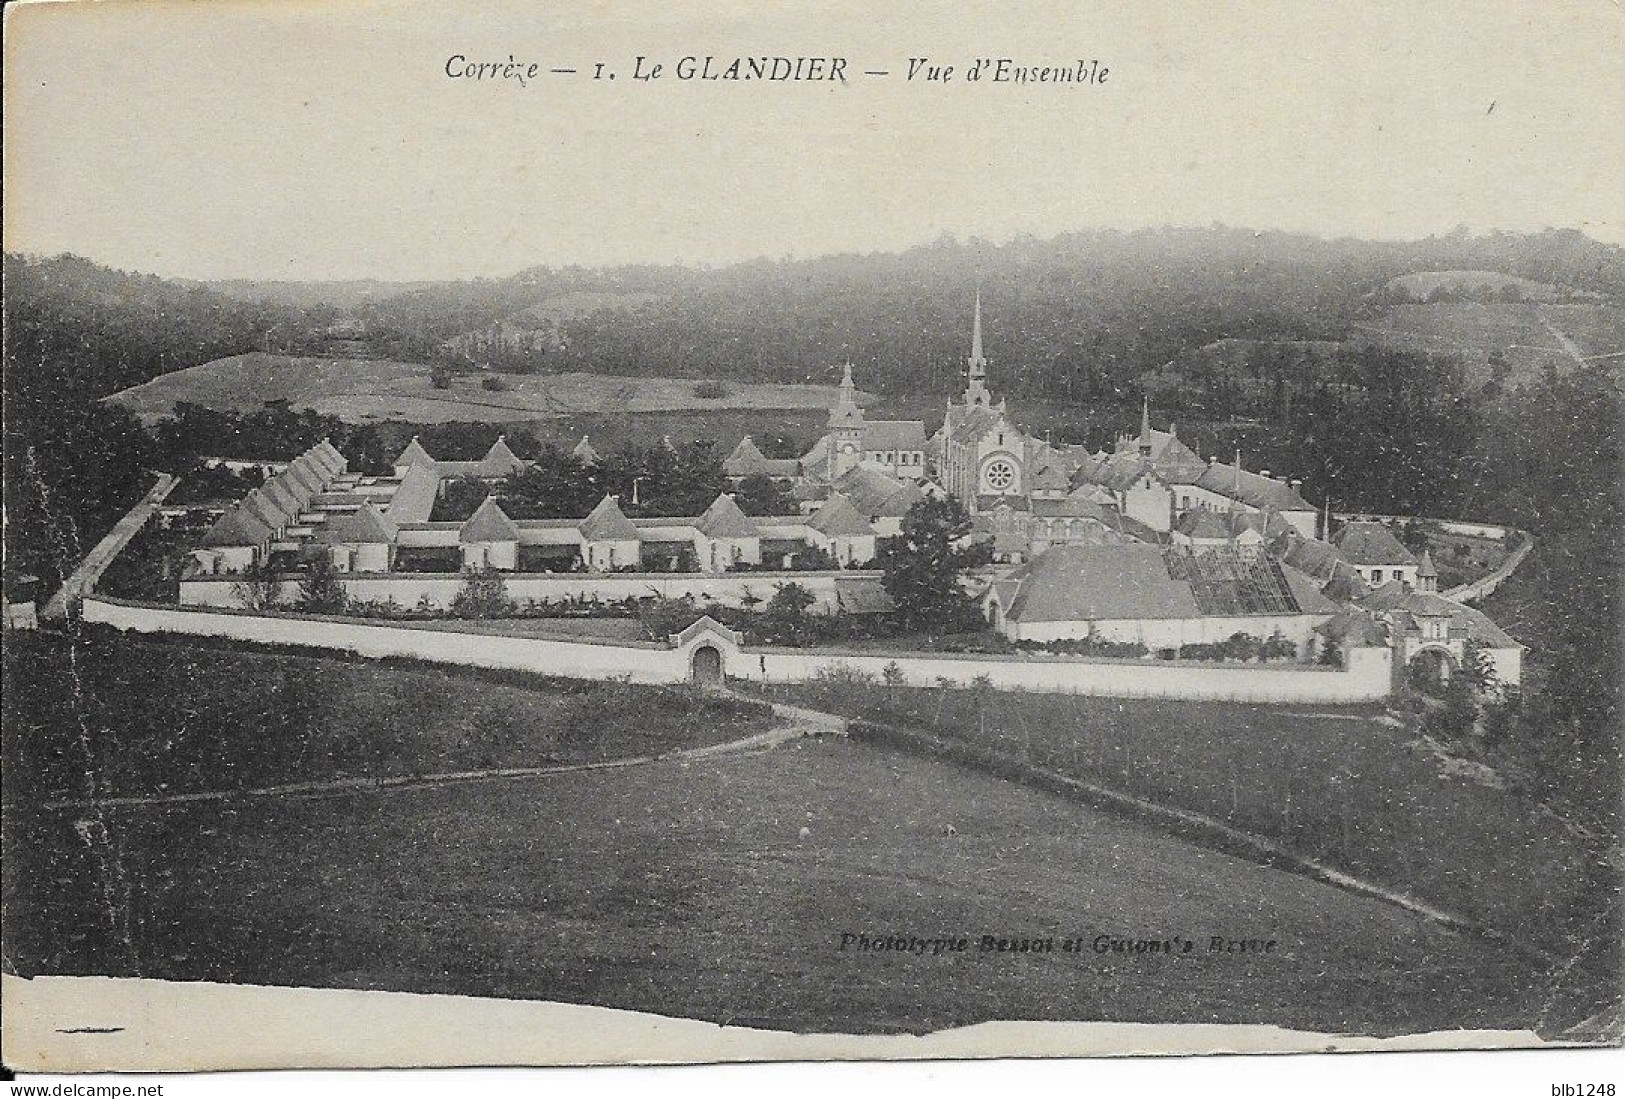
column 147, row 717
column 1336, row 785
column 372, row 389
column 689, row 890
column 1473, row 330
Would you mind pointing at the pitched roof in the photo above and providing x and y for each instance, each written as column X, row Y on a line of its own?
column 322, row 460
column 1202, row 523
column 500, row 460
column 1426, row 567
column 723, row 519
column 237, row 527
column 366, row 524
column 1117, row 473
column 1401, row 605
column 1306, row 593
column 1228, row 580
column 1049, row 477
column 413, row 454
column 308, row 478
column 1069, row 507
column 1345, row 585
column 489, row 523
column 817, row 455
column 1354, row 628
column 414, row 497
column 875, row 493
column 894, row 435
column 333, row 454
column 1092, row 493
column 975, row 423
column 607, row 522
column 265, row 508
column 584, row 452
column 1093, row 583
column 283, row 497
column 1253, row 489
column 745, row 451
column 1369, row 543
column 1318, row 559
column 839, row 518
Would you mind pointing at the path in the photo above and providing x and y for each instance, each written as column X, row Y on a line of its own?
column 794, row 722
column 101, row 555
column 1562, row 337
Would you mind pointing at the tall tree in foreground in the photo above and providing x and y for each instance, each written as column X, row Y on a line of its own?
column 923, row 567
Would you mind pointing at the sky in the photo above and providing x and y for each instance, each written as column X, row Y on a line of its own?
column 323, row 139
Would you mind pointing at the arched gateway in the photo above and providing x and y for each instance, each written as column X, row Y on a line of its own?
column 708, row 645
column 705, row 666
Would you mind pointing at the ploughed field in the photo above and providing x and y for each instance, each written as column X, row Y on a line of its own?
column 721, row 887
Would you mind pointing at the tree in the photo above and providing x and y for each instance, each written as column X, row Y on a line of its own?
column 259, row 588
column 1478, row 666
column 759, row 494
column 787, row 612
column 320, row 589
column 923, row 567
column 484, row 594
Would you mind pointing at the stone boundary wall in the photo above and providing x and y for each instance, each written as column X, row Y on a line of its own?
column 1486, row 585
column 1366, row 678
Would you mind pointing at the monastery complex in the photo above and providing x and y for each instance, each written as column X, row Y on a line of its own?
column 1144, row 544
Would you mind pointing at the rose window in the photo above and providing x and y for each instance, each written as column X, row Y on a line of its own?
column 999, row 475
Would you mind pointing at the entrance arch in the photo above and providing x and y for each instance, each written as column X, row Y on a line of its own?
column 705, row 666
column 1431, row 668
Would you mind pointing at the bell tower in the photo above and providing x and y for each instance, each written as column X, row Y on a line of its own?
column 845, row 427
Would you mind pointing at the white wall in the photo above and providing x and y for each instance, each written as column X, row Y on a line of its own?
column 407, row 589
column 1367, row 677
column 1170, row 633
column 580, row 660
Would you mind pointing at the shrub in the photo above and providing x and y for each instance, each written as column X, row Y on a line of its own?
column 493, row 384
column 484, row 594
column 841, row 674
column 711, row 391
column 320, row 589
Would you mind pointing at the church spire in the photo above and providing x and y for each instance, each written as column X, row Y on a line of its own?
column 976, row 330
column 976, row 394
column 1145, row 418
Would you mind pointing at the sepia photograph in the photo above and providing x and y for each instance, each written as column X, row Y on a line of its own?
column 608, row 533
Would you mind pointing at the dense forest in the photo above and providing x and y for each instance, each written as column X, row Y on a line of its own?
column 1074, row 317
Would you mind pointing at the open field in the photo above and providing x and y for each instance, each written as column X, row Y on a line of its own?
column 369, row 390
column 1420, row 284
column 1524, row 334
column 690, row 889
column 116, row 716
column 1349, row 787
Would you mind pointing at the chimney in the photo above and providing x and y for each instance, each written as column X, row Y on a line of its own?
column 1297, row 483
column 1263, row 473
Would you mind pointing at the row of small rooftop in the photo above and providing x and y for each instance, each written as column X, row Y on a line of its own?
column 723, row 519
column 281, row 500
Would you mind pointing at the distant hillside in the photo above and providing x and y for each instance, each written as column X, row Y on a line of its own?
column 372, row 390
column 1428, row 286
column 343, row 294
column 540, row 327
